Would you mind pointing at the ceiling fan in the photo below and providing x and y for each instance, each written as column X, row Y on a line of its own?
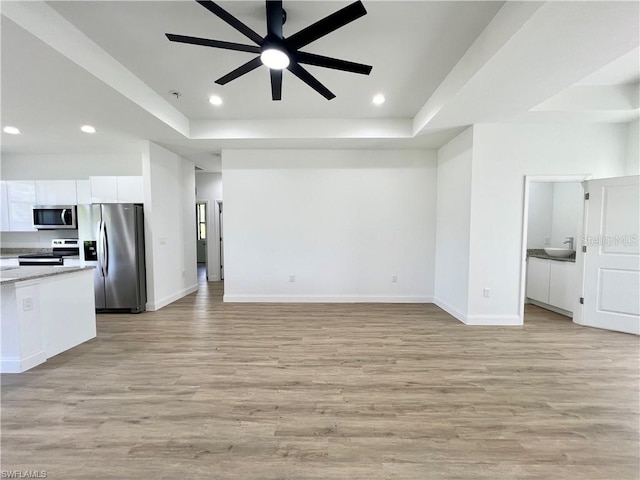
column 277, row 52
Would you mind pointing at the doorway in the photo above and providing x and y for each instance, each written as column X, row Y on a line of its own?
column 552, row 262
column 221, row 245
column 201, row 241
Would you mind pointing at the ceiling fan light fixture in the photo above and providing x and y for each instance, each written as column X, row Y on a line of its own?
column 274, row 58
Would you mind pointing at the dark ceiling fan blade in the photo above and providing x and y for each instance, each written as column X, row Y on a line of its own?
column 274, row 18
column 213, row 43
column 335, row 63
column 231, row 20
column 276, row 84
column 310, row 80
column 327, row 25
column 241, row 70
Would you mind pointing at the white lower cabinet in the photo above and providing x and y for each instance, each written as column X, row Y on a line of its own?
column 562, row 288
column 538, row 270
column 552, row 282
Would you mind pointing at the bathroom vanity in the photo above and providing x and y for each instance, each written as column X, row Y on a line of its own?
column 551, row 282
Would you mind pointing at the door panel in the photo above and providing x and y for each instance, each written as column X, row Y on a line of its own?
column 121, row 286
column 89, row 217
column 612, row 261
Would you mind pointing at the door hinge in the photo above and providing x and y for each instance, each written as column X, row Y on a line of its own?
column 584, row 249
column 586, row 196
column 581, row 300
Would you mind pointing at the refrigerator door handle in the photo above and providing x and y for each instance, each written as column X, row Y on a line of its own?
column 105, row 249
column 101, row 248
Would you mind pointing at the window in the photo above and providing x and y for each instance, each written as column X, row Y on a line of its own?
column 201, row 213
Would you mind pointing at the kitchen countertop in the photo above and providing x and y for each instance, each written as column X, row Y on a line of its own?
column 16, row 252
column 19, row 274
column 540, row 253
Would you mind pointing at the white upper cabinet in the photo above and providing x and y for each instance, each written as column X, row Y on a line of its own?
column 104, row 189
column 113, row 189
column 83, row 192
column 21, row 191
column 4, row 207
column 21, row 196
column 130, row 190
column 56, row 192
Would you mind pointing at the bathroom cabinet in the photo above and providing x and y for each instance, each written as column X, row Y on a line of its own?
column 552, row 282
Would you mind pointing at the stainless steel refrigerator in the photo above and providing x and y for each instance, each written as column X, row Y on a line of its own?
column 112, row 240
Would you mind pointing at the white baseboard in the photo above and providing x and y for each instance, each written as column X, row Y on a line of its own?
column 153, row 306
column 450, row 310
column 496, row 320
column 18, row 365
column 248, row 298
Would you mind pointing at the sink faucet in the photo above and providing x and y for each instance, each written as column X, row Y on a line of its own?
column 569, row 240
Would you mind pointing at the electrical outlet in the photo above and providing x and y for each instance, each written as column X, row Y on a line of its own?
column 183, row 273
column 394, row 278
column 486, row 293
column 292, row 278
column 27, row 304
column 547, row 241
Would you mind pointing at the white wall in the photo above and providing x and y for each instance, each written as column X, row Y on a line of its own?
column 502, row 156
column 452, row 224
column 343, row 222
column 209, row 189
column 170, row 232
column 540, row 215
column 568, row 200
column 633, row 149
column 71, row 166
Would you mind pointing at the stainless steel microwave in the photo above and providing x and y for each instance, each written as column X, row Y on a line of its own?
column 55, row 217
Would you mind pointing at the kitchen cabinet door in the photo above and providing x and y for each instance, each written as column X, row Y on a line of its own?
column 130, row 190
column 83, row 192
column 562, row 291
column 21, row 195
column 21, row 217
column 4, row 207
column 21, row 191
column 56, row 192
column 104, row 189
column 538, row 271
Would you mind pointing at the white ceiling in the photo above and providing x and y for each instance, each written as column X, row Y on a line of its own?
column 440, row 65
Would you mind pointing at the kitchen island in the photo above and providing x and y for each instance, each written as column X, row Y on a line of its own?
column 45, row 311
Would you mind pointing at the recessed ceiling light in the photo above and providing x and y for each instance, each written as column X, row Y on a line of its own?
column 11, row 130
column 215, row 100
column 378, row 99
column 88, row 129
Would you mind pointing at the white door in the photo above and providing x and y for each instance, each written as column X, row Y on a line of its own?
column 221, row 243
column 612, row 259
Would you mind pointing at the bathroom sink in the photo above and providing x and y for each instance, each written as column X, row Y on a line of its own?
column 559, row 252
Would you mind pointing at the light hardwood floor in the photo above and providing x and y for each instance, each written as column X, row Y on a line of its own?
column 206, row 390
